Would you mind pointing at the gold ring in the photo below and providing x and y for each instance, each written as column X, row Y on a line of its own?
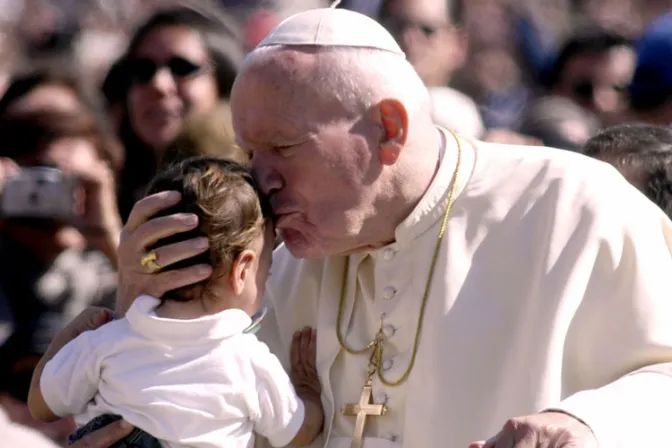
column 149, row 261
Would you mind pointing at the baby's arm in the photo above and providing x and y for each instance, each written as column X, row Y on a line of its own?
column 307, row 385
column 284, row 414
column 66, row 378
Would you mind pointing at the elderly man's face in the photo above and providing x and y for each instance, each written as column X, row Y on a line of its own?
column 313, row 162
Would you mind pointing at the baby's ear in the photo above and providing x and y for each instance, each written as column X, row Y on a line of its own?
column 240, row 270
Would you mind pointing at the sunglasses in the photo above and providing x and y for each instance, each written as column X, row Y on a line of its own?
column 397, row 25
column 586, row 89
column 143, row 70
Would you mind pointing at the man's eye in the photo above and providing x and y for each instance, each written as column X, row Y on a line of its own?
column 283, row 150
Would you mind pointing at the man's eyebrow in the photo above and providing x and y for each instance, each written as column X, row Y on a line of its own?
column 275, row 140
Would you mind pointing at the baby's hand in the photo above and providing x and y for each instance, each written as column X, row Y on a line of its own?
column 307, row 385
column 303, row 354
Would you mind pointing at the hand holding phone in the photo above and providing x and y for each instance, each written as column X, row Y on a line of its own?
column 39, row 192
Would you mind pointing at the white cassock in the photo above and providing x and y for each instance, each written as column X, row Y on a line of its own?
column 553, row 285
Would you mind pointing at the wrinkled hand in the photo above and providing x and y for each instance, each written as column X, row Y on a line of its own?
column 303, row 358
column 545, row 430
column 105, row 436
column 141, row 232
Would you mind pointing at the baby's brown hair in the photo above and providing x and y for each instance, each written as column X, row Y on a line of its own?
column 231, row 214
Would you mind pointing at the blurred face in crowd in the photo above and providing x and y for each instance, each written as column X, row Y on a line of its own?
column 70, row 154
column 598, row 82
column 312, row 160
column 54, row 97
column 172, row 76
column 423, row 29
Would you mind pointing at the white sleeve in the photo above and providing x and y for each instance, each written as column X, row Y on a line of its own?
column 277, row 411
column 621, row 336
column 632, row 411
column 69, row 380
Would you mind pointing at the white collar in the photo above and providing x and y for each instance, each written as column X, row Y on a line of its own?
column 442, row 147
column 223, row 325
column 431, row 207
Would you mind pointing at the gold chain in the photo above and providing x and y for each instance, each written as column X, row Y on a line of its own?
column 377, row 343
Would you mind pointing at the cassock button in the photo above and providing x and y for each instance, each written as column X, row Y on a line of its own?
column 389, row 330
column 388, row 254
column 387, row 365
column 389, row 292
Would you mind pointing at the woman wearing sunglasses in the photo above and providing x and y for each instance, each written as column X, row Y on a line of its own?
column 181, row 61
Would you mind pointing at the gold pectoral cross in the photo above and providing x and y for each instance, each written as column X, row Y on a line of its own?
column 362, row 410
column 365, row 407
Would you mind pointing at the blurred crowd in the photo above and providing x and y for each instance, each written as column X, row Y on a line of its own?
column 108, row 91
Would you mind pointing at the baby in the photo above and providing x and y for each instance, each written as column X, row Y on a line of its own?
column 186, row 369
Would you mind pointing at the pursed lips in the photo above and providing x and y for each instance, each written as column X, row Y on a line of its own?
column 283, row 218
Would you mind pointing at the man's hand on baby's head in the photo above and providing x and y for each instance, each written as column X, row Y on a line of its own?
column 303, row 358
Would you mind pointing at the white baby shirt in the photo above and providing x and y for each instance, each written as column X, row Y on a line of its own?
column 202, row 383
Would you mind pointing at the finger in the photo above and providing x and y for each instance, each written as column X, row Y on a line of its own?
column 479, row 444
column 296, row 349
column 149, row 206
column 305, row 346
column 492, row 442
column 515, row 433
column 312, row 349
column 8, row 166
column 505, row 441
column 155, row 229
column 102, row 317
column 172, row 253
column 105, row 436
column 169, row 280
column 89, row 319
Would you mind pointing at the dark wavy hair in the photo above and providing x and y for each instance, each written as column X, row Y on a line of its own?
column 645, row 148
column 23, row 132
column 221, row 37
column 231, row 214
column 220, row 34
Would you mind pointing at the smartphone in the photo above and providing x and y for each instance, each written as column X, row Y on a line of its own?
column 39, row 192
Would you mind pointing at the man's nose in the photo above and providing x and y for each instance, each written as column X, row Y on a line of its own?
column 267, row 177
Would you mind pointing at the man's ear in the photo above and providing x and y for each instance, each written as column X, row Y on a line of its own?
column 393, row 118
column 240, row 270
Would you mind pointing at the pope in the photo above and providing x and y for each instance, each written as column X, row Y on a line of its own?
column 464, row 293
